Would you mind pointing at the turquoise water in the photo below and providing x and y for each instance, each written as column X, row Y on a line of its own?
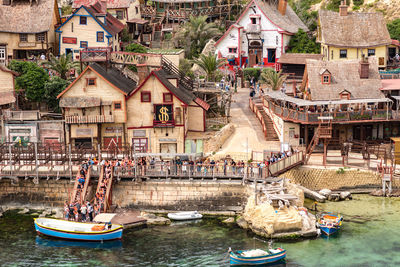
column 370, row 237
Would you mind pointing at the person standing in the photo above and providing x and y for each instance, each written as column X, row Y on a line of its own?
column 90, row 211
column 83, row 212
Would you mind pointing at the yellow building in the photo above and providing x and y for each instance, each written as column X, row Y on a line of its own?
column 27, row 29
column 350, row 35
column 94, row 107
column 160, row 114
column 89, row 26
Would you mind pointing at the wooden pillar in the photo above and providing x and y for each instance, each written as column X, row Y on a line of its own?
column 306, row 134
column 325, row 151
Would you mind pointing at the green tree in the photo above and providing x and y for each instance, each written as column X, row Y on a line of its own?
column 195, row 34
column 52, row 89
column 61, row 65
column 302, row 43
column 209, row 64
column 394, row 29
column 334, row 4
column 31, row 80
column 273, row 79
column 185, row 66
column 136, row 48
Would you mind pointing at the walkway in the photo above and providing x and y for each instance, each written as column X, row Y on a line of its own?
column 248, row 135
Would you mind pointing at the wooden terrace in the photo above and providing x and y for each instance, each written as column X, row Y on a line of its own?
column 177, row 13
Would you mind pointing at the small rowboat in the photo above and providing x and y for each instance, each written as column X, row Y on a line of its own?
column 256, row 256
column 185, row 215
column 78, row 230
column 329, row 223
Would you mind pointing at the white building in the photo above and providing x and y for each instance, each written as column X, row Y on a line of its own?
column 260, row 35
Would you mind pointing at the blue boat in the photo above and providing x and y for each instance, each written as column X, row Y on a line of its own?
column 256, row 256
column 78, row 230
column 329, row 223
column 62, row 243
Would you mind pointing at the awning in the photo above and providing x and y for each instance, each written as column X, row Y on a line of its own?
column 390, row 84
column 7, row 97
column 138, row 21
column 278, row 95
column 104, row 217
column 202, row 103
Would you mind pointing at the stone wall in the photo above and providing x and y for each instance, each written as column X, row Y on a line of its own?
column 334, row 178
column 163, row 195
column 215, row 143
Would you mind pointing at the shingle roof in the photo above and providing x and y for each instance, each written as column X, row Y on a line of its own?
column 344, row 76
column 115, row 77
column 297, row 58
column 353, row 30
column 22, row 17
column 112, row 25
column 289, row 22
column 110, row 3
column 183, row 94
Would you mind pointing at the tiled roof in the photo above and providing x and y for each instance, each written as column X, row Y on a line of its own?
column 115, row 77
column 110, row 3
column 297, row 58
column 112, row 25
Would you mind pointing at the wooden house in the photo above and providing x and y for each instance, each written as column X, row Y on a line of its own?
column 161, row 113
column 89, row 27
column 117, row 8
column 350, row 35
column 261, row 34
column 94, row 107
column 27, row 29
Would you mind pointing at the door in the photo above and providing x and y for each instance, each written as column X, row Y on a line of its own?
column 255, row 57
column 112, row 142
column 357, row 133
column 83, row 143
column 68, row 51
column 2, row 55
column 392, row 52
column 271, row 55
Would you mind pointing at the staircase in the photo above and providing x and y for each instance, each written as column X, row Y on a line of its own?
column 183, row 80
column 268, row 125
column 103, row 203
column 79, row 194
column 323, row 131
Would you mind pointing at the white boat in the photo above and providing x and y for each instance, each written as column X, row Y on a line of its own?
column 185, row 215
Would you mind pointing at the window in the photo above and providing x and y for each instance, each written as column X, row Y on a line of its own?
column 120, row 14
column 137, row 10
column 167, row 97
column 232, row 50
column 139, row 145
column 100, row 36
column 117, row 105
column 84, row 44
column 23, row 37
column 40, row 37
column 253, row 20
column 326, row 79
column 83, row 20
column 145, row 96
column 371, row 52
column 343, row 53
column 90, row 81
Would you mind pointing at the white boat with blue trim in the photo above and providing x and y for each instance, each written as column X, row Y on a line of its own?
column 78, row 230
column 256, row 256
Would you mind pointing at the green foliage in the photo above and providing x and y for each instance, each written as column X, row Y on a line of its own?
column 273, row 79
column 209, row 64
column 167, row 36
column 125, row 36
column 358, row 3
column 61, row 65
column 185, row 65
column 334, row 5
column 340, row 171
column 302, row 43
column 52, row 89
column 302, row 9
column 66, row 10
column 195, row 34
column 32, row 79
column 136, row 48
column 251, row 72
column 394, row 29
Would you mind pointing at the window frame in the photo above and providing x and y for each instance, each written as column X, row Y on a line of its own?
column 326, row 76
column 97, row 37
column 232, row 50
column 143, row 93
column 91, row 79
column 121, row 12
column 167, row 94
column 80, row 20
column 342, row 55
column 370, row 50
column 81, row 42
column 115, row 103
column 39, row 36
column 23, row 37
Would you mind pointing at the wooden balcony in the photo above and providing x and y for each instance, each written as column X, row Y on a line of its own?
column 91, row 54
column 89, row 119
column 253, row 28
column 21, row 115
column 185, row 13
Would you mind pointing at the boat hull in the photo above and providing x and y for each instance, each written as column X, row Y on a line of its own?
column 184, row 216
column 326, row 230
column 95, row 236
column 236, row 259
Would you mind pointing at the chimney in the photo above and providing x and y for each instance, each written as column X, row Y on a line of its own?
column 343, row 9
column 364, row 68
column 143, row 72
column 103, row 4
column 282, row 7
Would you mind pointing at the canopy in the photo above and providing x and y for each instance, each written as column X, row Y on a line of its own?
column 104, row 217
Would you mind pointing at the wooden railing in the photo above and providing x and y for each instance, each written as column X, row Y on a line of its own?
column 136, row 58
column 89, row 119
column 183, row 80
column 185, row 12
column 21, row 115
column 95, row 54
column 259, row 116
column 338, row 116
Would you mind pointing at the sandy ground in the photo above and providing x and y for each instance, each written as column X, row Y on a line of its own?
column 248, row 135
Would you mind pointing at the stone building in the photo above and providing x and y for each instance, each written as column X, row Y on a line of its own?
column 261, row 34
column 350, row 35
column 89, row 27
column 27, row 29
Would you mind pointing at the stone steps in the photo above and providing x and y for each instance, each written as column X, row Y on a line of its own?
column 271, row 133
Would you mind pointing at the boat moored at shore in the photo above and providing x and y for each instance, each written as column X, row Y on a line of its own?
column 256, row 256
column 185, row 215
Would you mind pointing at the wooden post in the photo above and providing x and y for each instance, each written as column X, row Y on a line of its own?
column 10, row 157
column 36, row 162
column 69, row 162
column 325, row 152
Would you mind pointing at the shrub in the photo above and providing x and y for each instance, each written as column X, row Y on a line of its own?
column 251, row 72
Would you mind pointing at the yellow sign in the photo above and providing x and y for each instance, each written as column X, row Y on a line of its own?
column 163, row 115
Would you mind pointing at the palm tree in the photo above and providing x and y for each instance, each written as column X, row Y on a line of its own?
column 273, row 79
column 209, row 64
column 62, row 65
column 195, row 34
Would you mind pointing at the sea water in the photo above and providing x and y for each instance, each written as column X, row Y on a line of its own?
column 370, row 236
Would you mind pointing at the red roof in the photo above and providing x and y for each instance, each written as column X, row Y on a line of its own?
column 202, row 103
column 390, row 84
column 112, row 25
column 110, row 3
column 395, row 42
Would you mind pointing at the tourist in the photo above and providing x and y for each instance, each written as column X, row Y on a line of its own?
column 83, row 212
column 66, row 210
column 233, row 164
column 90, row 211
